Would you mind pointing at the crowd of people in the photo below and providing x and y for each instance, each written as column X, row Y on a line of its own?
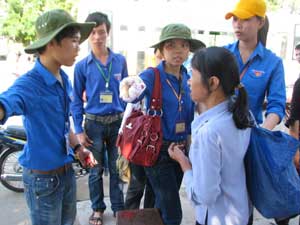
column 205, row 123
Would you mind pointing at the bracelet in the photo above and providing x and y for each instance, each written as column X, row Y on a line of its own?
column 78, row 146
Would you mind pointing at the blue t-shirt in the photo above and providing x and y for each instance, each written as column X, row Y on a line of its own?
column 170, row 104
column 44, row 102
column 92, row 79
column 263, row 79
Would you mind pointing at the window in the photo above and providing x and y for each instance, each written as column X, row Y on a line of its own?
column 140, row 62
column 296, row 37
column 123, row 28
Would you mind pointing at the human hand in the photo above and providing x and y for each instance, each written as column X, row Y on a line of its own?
column 86, row 158
column 176, row 151
column 84, row 139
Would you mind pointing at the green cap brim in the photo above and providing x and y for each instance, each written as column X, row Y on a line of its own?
column 85, row 30
column 194, row 43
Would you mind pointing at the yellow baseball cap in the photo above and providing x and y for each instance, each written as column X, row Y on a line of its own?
column 245, row 9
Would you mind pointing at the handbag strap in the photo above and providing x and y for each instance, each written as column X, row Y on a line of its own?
column 156, row 98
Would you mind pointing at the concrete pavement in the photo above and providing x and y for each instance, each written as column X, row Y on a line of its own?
column 84, row 210
column 13, row 210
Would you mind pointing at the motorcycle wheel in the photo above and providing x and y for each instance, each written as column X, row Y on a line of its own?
column 9, row 165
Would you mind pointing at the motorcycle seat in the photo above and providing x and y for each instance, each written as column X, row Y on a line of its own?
column 16, row 132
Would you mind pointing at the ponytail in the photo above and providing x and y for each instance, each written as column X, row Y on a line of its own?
column 263, row 32
column 239, row 108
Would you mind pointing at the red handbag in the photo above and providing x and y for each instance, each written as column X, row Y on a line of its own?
column 141, row 138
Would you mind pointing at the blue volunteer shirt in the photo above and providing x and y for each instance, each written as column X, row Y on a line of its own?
column 89, row 78
column 40, row 97
column 263, row 78
column 170, row 106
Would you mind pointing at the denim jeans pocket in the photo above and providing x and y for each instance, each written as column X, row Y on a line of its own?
column 45, row 185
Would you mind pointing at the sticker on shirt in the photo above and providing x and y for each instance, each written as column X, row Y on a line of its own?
column 106, row 97
column 258, row 73
column 180, row 127
column 118, row 76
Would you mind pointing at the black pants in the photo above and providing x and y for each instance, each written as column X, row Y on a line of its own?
column 138, row 183
column 285, row 221
column 278, row 222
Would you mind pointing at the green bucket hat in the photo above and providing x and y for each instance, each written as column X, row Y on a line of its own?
column 179, row 31
column 49, row 24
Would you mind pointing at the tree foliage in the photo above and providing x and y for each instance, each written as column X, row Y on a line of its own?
column 293, row 6
column 19, row 24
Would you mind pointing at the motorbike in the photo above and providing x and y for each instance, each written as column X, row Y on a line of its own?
column 12, row 141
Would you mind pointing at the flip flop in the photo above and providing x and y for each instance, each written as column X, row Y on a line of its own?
column 95, row 220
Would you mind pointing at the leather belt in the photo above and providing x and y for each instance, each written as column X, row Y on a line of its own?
column 104, row 119
column 167, row 143
column 60, row 170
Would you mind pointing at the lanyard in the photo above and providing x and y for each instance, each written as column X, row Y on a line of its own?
column 175, row 93
column 245, row 69
column 106, row 78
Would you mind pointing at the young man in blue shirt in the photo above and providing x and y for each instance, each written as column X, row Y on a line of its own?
column 99, row 76
column 43, row 97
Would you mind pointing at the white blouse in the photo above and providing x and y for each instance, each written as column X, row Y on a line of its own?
column 216, row 185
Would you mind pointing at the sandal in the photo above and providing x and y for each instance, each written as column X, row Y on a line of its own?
column 95, row 220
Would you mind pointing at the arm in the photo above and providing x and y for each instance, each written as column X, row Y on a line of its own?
column 81, row 152
column 177, row 154
column 77, row 103
column 125, row 70
column 2, row 112
column 276, row 97
column 202, row 180
column 271, row 121
column 17, row 100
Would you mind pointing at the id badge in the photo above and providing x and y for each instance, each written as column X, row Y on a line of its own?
column 180, row 127
column 106, row 97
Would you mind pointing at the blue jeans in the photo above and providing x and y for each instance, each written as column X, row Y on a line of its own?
column 51, row 198
column 100, row 134
column 165, row 178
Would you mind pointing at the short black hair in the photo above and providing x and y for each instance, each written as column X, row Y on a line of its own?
column 99, row 18
column 67, row 32
column 297, row 46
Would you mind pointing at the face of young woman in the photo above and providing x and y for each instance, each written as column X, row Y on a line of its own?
column 246, row 29
column 98, row 37
column 199, row 92
column 66, row 51
column 176, row 51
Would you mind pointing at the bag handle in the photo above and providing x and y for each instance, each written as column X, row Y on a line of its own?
column 156, row 98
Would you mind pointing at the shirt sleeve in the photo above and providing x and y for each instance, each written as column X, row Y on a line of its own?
column 203, row 181
column 276, row 96
column 125, row 70
column 77, row 103
column 148, row 78
column 295, row 104
column 13, row 100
